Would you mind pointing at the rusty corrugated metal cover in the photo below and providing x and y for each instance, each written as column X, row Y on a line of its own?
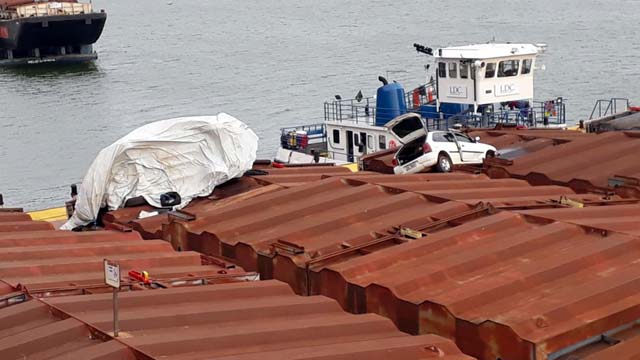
column 620, row 218
column 260, row 181
column 257, row 320
column 301, row 216
column 31, row 331
column 501, row 286
column 46, row 262
column 583, row 164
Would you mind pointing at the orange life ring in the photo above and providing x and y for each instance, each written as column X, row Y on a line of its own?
column 392, row 144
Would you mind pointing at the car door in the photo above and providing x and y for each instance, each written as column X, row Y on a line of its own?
column 449, row 144
column 468, row 149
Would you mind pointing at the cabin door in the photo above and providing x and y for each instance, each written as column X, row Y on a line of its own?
column 349, row 146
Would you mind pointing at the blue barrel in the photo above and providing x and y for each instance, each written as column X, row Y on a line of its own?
column 390, row 103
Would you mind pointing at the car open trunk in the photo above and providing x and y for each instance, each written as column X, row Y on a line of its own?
column 411, row 151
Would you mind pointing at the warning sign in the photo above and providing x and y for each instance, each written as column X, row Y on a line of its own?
column 111, row 273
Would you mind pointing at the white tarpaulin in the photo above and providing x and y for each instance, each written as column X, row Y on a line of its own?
column 189, row 155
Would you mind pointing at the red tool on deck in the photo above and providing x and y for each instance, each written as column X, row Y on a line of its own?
column 140, row 276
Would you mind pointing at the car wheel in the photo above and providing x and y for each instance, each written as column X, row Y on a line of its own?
column 444, row 163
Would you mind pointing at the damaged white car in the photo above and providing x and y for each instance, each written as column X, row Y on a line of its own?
column 440, row 150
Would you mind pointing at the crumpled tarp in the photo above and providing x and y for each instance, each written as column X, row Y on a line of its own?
column 189, row 155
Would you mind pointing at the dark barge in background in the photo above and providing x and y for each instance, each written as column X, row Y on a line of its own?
column 36, row 32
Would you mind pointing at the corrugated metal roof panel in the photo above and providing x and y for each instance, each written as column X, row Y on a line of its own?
column 13, row 216
column 583, row 163
column 279, row 233
column 501, row 286
column 31, row 331
column 7, row 226
column 257, row 320
column 621, row 218
column 52, row 262
column 261, row 181
column 301, row 216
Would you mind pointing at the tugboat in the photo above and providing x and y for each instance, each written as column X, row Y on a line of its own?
column 473, row 86
column 36, row 32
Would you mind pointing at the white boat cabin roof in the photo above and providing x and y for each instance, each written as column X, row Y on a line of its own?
column 488, row 51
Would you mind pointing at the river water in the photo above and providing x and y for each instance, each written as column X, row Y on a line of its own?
column 273, row 63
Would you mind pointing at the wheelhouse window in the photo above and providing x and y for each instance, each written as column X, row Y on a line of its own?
column 382, row 142
column 464, row 70
column 370, row 141
column 442, row 70
column 491, row 70
column 526, row 66
column 508, row 68
column 336, row 136
column 453, row 70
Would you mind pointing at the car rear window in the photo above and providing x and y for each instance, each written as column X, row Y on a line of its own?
column 407, row 126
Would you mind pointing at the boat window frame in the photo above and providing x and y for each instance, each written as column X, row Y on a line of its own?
column 382, row 142
column 465, row 66
column 501, row 70
column 526, row 69
column 336, row 135
column 491, row 66
column 370, row 141
column 453, row 70
column 442, row 70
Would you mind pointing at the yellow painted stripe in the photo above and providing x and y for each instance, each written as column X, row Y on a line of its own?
column 54, row 214
column 353, row 167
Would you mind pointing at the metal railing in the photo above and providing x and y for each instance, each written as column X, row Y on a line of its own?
column 604, row 107
column 542, row 114
column 53, row 8
column 363, row 111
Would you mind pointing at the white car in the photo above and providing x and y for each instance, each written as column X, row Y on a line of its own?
column 442, row 150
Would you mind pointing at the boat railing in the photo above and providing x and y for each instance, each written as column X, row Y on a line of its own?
column 351, row 110
column 422, row 95
column 52, row 9
column 605, row 107
column 303, row 136
column 528, row 117
column 363, row 110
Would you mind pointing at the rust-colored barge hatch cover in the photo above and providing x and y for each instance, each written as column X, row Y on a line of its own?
column 52, row 262
column 607, row 160
column 502, row 286
column 255, row 320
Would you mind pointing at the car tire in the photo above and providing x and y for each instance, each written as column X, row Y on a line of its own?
column 444, row 163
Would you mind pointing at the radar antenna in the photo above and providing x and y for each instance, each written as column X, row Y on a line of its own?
column 423, row 49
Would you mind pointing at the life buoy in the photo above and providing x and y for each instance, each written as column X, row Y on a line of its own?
column 392, row 144
column 416, row 98
column 430, row 94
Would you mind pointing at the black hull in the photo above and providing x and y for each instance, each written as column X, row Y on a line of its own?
column 53, row 59
column 26, row 34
